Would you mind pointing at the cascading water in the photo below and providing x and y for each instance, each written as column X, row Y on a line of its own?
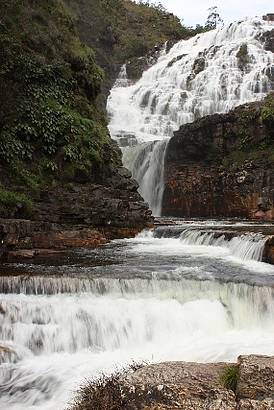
column 145, row 161
column 57, row 331
column 247, row 247
column 193, row 295
column 209, row 73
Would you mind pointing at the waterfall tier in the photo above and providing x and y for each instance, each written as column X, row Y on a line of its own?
column 210, row 73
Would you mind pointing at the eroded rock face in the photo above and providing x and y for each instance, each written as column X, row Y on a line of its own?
column 221, row 166
column 256, row 378
column 178, row 385
column 77, row 215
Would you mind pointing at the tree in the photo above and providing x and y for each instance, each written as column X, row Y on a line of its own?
column 213, row 18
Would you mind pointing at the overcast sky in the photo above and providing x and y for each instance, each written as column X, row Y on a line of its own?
column 195, row 11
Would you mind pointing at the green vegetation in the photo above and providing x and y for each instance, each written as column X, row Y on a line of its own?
column 52, row 130
column 229, row 378
column 268, row 112
column 253, row 136
column 105, row 392
column 14, row 204
column 50, row 127
column 119, row 30
column 213, row 19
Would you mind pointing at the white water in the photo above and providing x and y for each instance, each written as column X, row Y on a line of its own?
column 195, row 78
column 63, row 330
column 145, row 161
column 246, row 247
column 169, row 93
column 59, row 340
column 68, row 329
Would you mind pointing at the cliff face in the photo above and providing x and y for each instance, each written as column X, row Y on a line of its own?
column 59, row 167
column 222, row 165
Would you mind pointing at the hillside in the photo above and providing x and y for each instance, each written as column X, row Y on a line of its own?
column 53, row 133
column 122, row 30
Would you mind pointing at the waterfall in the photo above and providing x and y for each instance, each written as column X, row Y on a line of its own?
column 247, row 246
column 210, row 73
column 146, row 163
column 124, row 314
column 57, row 331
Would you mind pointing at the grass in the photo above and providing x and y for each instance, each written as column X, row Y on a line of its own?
column 229, row 378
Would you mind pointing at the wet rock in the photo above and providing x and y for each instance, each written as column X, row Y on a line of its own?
column 269, row 250
column 199, row 65
column 269, row 17
column 22, row 254
column 8, row 355
column 268, row 38
column 77, row 215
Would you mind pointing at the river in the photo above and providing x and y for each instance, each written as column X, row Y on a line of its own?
column 188, row 290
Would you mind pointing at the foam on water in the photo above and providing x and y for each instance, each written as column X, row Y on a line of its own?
column 64, row 338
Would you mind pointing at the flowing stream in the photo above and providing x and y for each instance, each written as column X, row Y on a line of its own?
column 210, row 73
column 191, row 290
column 188, row 290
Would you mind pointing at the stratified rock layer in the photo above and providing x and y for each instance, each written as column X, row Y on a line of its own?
column 222, row 165
column 78, row 215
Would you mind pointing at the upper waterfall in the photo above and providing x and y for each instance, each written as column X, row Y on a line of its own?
column 210, row 73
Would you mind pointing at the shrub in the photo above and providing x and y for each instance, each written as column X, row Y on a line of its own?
column 229, row 378
column 13, row 204
column 103, row 393
column 268, row 110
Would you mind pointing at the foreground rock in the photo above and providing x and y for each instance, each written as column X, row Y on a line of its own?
column 177, row 385
column 246, row 385
column 255, row 387
column 222, row 165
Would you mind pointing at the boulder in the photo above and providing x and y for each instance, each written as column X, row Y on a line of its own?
column 178, row 385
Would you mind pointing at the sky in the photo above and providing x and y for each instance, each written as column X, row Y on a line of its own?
column 196, row 11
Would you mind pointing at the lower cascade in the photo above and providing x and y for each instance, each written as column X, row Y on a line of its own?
column 246, row 247
column 62, row 324
column 146, row 163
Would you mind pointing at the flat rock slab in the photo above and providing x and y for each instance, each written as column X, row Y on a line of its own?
column 256, row 379
column 178, row 385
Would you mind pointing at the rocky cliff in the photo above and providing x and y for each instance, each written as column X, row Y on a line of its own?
column 223, row 165
column 245, row 385
column 60, row 172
